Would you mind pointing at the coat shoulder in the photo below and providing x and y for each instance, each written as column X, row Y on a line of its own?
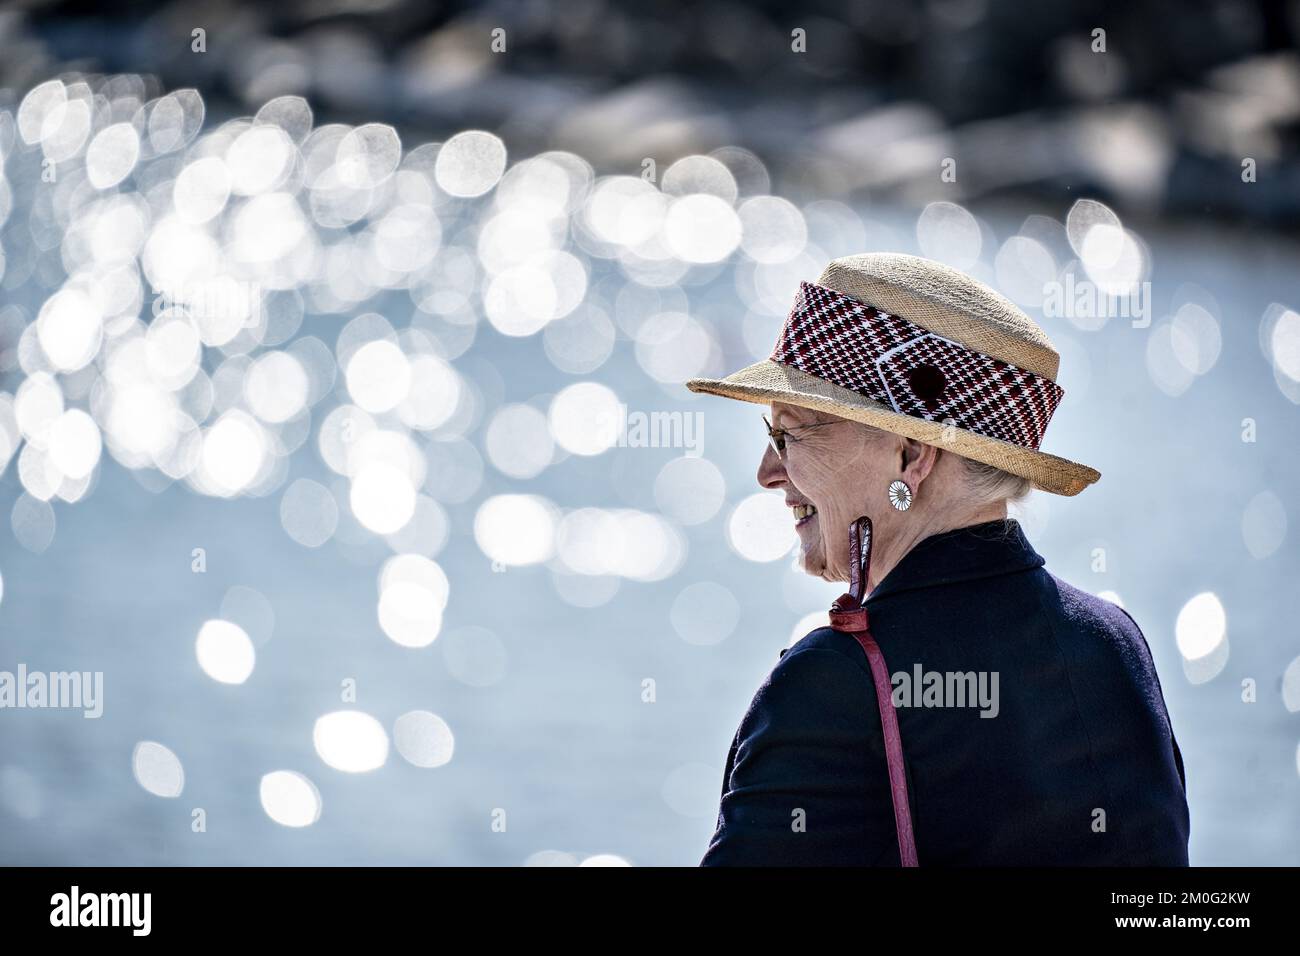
column 828, row 639
column 1087, row 609
column 808, row 750
column 1104, row 641
column 1105, row 625
column 821, row 682
column 822, row 664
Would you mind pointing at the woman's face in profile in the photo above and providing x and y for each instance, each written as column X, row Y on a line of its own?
column 826, row 471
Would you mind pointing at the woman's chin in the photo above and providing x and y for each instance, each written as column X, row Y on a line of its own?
column 811, row 562
column 814, row 564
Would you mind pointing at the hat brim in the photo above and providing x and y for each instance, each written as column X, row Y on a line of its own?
column 768, row 381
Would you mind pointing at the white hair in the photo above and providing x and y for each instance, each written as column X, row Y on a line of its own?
column 984, row 483
column 990, row 484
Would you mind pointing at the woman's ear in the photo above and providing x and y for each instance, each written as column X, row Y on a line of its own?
column 916, row 461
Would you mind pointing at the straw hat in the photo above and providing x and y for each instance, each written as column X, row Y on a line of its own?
column 919, row 349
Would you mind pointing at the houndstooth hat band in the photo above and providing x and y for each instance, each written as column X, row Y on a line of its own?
column 912, row 370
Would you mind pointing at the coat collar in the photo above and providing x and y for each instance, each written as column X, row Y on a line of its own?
column 961, row 554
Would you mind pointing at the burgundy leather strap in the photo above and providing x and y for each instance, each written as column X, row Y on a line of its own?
column 848, row 616
column 893, row 750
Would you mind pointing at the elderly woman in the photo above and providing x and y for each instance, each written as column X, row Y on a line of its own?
column 1020, row 721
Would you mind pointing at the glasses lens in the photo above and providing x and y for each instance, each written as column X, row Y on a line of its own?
column 773, row 438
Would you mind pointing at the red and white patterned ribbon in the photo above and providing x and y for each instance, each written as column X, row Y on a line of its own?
column 912, row 370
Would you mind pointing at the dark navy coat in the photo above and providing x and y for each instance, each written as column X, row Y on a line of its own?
column 1077, row 765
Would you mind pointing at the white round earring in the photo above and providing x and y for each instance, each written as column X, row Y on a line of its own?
column 900, row 495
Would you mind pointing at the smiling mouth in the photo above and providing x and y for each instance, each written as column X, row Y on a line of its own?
column 803, row 514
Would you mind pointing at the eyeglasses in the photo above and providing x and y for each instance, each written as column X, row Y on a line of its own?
column 777, row 437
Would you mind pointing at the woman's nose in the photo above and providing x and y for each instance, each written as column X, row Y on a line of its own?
column 771, row 469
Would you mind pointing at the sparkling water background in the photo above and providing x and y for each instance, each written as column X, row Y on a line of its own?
column 536, row 666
